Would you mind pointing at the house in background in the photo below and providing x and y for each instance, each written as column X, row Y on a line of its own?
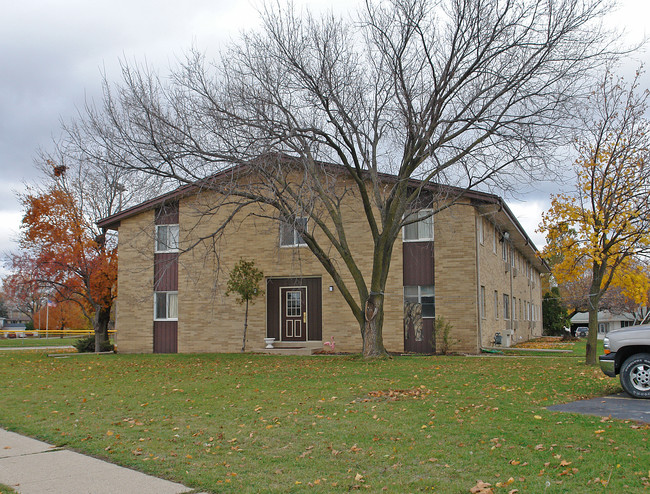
column 471, row 263
column 607, row 321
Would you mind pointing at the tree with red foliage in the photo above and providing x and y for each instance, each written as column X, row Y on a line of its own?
column 70, row 255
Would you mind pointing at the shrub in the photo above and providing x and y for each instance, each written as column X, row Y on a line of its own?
column 87, row 344
column 442, row 328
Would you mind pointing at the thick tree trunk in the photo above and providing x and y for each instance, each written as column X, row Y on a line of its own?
column 371, row 330
column 100, row 325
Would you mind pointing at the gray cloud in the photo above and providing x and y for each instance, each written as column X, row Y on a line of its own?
column 52, row 54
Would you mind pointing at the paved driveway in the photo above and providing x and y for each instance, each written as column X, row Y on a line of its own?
column 620, row 406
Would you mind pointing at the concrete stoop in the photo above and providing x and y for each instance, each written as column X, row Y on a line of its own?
column 291, row 348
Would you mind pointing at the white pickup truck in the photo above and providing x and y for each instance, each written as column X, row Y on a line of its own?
column 627, row 353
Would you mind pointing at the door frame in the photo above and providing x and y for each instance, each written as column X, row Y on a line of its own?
column 314, row 300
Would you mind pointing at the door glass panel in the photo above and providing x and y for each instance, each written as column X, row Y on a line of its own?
column 294, row 304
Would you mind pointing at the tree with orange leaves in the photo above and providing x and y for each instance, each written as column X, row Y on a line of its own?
column 70, row 256
column 601, row 231
column 64, row 315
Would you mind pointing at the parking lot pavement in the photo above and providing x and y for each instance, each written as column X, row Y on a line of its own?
column 619, row 406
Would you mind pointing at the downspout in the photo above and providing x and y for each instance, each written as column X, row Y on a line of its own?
column 511, row 260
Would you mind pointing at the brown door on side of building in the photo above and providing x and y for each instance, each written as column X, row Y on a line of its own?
column 293, row 313
column 306, row 307
column 419, row 297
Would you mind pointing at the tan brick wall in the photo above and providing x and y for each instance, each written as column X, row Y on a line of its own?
column 456, row 276
column 134, row 305
column 514, row 282
column 210, row 322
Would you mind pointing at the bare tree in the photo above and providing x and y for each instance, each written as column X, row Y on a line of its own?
column 316, row 110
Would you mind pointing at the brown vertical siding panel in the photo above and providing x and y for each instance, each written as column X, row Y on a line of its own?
column 165, row 333
column 166, row 272
column 418, row 263
column 315, row 308
column 418, row 268
column 272, row 309
column 165, row 336
column 167, row 214
column 428, row 343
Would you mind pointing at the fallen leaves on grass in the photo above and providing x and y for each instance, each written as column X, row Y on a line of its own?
column 482, row 488
column 506, row 483
column 546, row 343
column 397, row 394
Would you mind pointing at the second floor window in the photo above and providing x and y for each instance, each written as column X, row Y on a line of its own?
column 422, row 227
column 290, row 232
column 166, row 238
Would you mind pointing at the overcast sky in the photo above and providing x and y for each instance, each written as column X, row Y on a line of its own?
column 52, row 54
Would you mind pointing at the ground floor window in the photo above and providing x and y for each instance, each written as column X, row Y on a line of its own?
column 482, row 301
column 423, row 295
column 166, row 306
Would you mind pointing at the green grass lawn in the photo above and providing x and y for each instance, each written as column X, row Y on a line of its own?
column 250, row 423
column 27, row 342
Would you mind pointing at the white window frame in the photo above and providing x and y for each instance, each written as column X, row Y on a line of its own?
column 168, row 297
column 506, row 306
column 496, row 304
column 174, row 228
column 295, row 236
column 427, row 217
column 482, row 305
column 481, row 230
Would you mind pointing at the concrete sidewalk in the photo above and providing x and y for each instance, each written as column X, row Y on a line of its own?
column 10, row 348
column 34, row 467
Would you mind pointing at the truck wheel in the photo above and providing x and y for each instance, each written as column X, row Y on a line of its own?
column 635, row 375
